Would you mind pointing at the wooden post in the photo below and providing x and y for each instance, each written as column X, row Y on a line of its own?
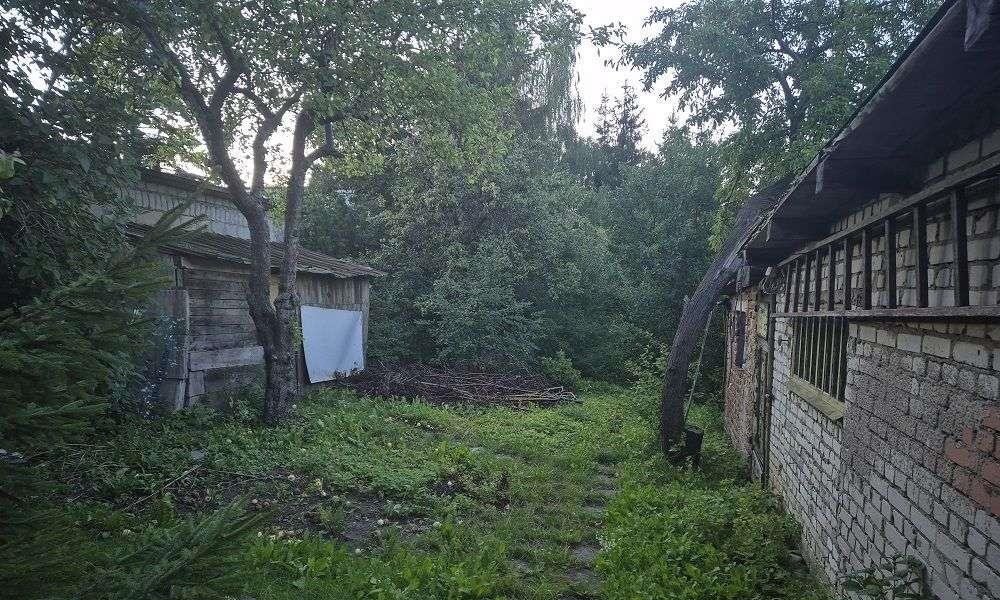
column 818, row 304
column 866, row 270
column 848, row 274
column 838, row 389
column 919, row 241
column 890, row 261
column 823, row 366
column 806, row 278
column 960, row 280
column 795, row 287
column 788, row 284
column 834, row 372
column 810, row 349
column 831, row 278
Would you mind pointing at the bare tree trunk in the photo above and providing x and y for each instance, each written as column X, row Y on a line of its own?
column 275, row 321
column 282, row 376
column 694, row 317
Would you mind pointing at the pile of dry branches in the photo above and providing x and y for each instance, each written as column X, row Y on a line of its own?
column 456, row 386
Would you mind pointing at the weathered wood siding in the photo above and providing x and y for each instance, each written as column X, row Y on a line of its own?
column 223, row 353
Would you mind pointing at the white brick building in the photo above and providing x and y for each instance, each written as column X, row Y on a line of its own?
column 864, row 344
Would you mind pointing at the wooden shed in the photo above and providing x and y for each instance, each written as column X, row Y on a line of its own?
column 206, row 341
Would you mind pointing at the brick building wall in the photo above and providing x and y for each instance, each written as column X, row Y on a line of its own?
column 913, row 467
column 740, row 380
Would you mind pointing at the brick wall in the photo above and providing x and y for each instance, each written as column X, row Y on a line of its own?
column 982, row 227
column 913, row 468
column 740, row 383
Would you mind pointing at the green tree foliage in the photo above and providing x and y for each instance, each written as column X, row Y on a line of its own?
column 71, row 122
column 658, row 220
column 70, row 283
column 619, row 134
column 780, row 76
column 499, row 247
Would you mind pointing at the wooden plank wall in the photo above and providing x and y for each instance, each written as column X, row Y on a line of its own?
column 224, row 352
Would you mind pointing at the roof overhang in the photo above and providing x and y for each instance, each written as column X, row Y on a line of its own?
column 940, row 84
column 236, row 251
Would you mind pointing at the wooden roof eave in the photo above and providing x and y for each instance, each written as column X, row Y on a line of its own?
column 878, row 150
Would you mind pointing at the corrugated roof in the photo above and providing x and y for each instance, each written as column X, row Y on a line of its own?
column 235, row 250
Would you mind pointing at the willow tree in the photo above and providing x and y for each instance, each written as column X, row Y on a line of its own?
column 270, row 88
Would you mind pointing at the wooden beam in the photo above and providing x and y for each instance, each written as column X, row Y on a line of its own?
column 981, row 24
column 866, row 270
column 825, row 359
column 890, row 261
column 841, row 359
column 795, row 287
column 848, row 273
column 977, row 313
column 786, row 229
column 919, row 240
column 788, row 288
column 985, row 168
column 960, row 277
column 831, row 278
column 806, row 280
column 810, row 349
column 819, row 281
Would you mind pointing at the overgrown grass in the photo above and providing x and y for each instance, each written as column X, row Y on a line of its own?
column 451, row 502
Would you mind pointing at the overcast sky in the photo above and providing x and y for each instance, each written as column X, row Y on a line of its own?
column 597, row 79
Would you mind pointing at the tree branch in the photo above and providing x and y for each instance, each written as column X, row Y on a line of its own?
column 236, row 68
column 271, row 121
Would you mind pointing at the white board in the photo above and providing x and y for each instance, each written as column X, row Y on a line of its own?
column 332, row 341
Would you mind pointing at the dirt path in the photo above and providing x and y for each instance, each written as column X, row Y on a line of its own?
column 585, row 583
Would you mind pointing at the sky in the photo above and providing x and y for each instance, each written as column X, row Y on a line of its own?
column 596, row 78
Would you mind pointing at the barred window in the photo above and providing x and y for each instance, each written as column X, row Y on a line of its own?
column 819, row 359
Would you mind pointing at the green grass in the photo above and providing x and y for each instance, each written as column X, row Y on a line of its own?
column 460, row 503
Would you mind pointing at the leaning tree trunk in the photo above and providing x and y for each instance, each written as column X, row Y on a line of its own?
column 696, row 312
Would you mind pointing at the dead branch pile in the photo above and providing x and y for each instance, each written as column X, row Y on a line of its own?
column 456, row 386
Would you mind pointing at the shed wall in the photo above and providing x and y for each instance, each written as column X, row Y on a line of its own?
column 913, row 468
column 740, row 380
column 221, row 350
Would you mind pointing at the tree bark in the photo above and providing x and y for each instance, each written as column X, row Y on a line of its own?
column 283, row 382
column 694, row 317
column 275, row 319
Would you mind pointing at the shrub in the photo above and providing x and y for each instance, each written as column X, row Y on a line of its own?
column 560, row 369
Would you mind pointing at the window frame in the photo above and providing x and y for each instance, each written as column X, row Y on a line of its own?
column 814, row 341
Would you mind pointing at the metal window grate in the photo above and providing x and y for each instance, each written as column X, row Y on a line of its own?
column 819, row 353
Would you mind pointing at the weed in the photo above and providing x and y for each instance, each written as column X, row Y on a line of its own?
column 397, row 499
